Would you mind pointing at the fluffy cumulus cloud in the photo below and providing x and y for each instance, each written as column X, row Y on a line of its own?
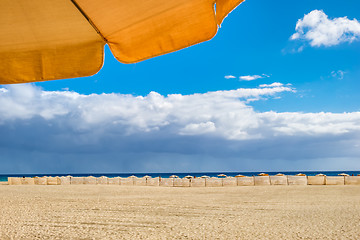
column 316, row 28
column 65, row 131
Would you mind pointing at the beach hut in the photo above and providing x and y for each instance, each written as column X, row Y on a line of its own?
column 14, row 181
column 214, row 182
column 103, row 180
column 146, row 178
column 129, row 181
column 297, row 180
column 263, row 180
column 245, row 181
column 352, row 180
column 278, row 179
column 40, row 180
column 229, row 182
column 181, row 182
column 139, row 181
column 76, row 180
column 90, row 180
column 318, row 179
column 65, row 180
column 114, row 181
column 53, row 181
column 166, row 182
column 152, row 181
column 198, row 182
column 27, row 181
column 334, row 180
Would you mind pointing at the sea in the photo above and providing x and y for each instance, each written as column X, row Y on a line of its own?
column 4, row 177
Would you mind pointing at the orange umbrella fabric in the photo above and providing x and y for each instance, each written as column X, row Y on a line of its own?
column 55, row 39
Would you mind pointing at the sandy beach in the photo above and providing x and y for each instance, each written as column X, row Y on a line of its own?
column 119, row 212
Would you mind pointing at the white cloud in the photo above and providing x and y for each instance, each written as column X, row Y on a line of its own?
column 198, row 128
column 319, row 30
column 224, row 114
column 128, row 131
column 275, row 84
column 229, row 76
column 250, row 77
column 314, row 124
column 338, row 74
column 199, row 113
column 253, row 77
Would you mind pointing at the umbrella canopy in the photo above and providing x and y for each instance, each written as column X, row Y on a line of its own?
column 320, row 175
column 343, row 174
column 239, row 175
column 174, row 176
column 188, row 176
column 300, row 174
column 55, row 39
column 263, row 174
column 280, row 174
column 146, row 176
column 221, row 175
column 204, row 176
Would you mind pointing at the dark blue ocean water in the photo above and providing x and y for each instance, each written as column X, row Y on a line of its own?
column 3, row 177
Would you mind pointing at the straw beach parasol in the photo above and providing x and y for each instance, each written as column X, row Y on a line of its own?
column 51, row 39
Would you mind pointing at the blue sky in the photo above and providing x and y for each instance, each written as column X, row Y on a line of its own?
column 275, row 89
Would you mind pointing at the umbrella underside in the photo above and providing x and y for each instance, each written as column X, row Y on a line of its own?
column 55, row 39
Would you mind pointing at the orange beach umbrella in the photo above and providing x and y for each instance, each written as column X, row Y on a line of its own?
column 239, row 175
column 55, row 39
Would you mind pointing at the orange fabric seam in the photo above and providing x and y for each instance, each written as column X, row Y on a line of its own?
column 88, row 19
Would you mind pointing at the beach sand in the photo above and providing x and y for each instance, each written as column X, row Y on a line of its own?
column 119, row 212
